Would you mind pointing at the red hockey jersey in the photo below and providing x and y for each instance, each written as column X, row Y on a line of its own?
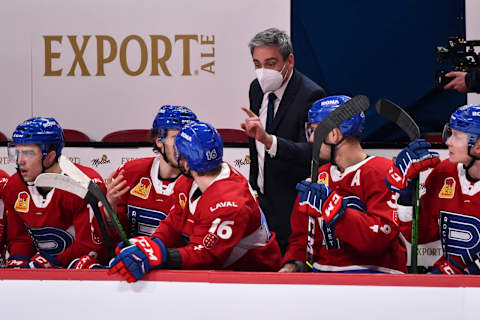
column 149, row 199
column 224, row 227
column 61, row 224
column 449, row 212
column 360, row 240
column 3, row 245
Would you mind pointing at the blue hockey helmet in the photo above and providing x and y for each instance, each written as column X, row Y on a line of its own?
column 43, row 132
column 201, row 145
column 172, row 117
column 323, row 107
column 465, row 119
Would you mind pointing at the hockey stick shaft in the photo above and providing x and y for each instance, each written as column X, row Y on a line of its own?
column 69, row 168
column 400, row 117
column 101, row 223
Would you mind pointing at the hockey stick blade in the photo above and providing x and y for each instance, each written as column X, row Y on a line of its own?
column 399, row 116
column 70, row 169
column 344, row 112
column 66, row 183
column 60, row 181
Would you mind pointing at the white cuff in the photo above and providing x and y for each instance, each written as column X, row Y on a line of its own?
column 405, row 213
column 273, row 148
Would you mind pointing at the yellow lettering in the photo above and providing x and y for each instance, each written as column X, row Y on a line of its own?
column 143, row 55
column 207, row 40
column 49, row 55
column 186, row 51
column 207, row 55
column 78, row 56
column 208, row 67
column 166, row 55
column 101, row 59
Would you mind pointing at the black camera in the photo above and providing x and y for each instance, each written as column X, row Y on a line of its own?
column 460, row 54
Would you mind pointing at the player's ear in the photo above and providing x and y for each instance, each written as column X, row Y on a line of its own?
column 159, row 144
column 50, row 158
column 476, row 147
column 336, row 135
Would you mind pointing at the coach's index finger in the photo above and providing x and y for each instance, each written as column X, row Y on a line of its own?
column 249, row 112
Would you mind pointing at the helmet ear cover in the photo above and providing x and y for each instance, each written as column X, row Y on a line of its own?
column 201, row 145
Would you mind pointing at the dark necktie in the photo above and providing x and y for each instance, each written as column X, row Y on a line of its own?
column 270, row 111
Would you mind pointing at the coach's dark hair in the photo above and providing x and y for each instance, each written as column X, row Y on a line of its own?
column 272, row 37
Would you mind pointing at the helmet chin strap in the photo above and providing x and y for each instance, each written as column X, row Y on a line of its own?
column 472, row 161
column 474, row 158
column 164, row 156
column 333, row 146
column 186, row 173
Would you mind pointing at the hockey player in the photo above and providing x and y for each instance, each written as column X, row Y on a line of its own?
column 450, row 201
column 217, row 224
column 141, row 190
column 3, row 232
column 46, row 228
column 357, row 229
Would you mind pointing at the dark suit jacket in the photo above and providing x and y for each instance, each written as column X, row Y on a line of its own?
column 292, row 161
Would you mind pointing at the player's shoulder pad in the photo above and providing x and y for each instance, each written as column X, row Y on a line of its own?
column 136, row 169
column 378, row 164
column 228, row 197
column 91, row 173
column 183, row 184
column 140, row 164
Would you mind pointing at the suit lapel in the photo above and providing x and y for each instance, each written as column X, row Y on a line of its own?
column 287, row 100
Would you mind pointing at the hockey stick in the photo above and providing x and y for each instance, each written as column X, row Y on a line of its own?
column 66, row 183
column 70, row 169
column 401, row 118
column 344, row 112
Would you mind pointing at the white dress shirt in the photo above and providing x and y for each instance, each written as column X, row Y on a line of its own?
column 262, row 114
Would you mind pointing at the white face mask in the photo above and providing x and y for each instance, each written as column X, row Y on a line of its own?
column 269, row 79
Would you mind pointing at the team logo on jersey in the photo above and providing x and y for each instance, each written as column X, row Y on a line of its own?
column 23, row 202
column 448, row 189
column 210, row 240
column 142, row 189
column 323, row 178
column 182, row 200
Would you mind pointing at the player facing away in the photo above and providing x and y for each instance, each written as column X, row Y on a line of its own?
column 141, row 190
column 356, row 222
column 3, row 231
column 45, row 227
column 216, row 224
column 451, row 198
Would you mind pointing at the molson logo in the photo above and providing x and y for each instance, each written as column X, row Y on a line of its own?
column 107, row 49
column 103, row 160
column 242, row 162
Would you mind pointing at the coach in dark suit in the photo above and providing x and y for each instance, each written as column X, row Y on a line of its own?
column 280, row 157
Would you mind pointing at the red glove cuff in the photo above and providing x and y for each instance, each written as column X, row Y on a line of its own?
column 332, row 206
